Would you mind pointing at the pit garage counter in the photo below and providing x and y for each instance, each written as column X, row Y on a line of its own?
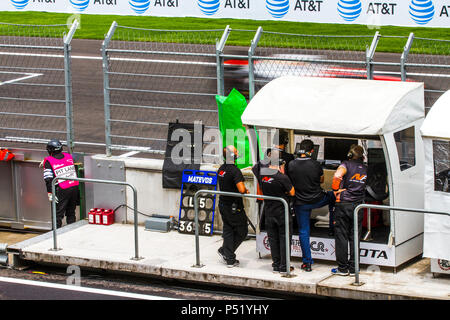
column 383, row 117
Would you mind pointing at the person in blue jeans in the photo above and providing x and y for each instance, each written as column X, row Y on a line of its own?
column 306, row 175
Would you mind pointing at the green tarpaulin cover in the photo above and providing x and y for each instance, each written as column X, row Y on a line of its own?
column 233, row 132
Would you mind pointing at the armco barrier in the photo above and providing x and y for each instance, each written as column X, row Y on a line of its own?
column 136, row 246
column 356, row 233
column 240, row 195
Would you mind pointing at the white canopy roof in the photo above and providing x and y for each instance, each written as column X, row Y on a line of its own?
column 436, row 122
column 338, row 106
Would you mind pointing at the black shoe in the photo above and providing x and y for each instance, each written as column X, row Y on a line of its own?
column 306, row 267
column 291, row 268
column 338, row 272
column 234, row 264
column 222, row 257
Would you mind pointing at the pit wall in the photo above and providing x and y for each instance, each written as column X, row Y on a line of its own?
column 152, row 199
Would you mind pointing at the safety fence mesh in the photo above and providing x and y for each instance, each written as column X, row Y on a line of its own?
column 429, row 62
column 157, row 77
column 32, row 83
column 309, row 56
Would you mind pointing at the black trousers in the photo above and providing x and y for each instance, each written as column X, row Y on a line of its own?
column 276, row 232
column 235, row 230
column 344, row 234
column 67, row 203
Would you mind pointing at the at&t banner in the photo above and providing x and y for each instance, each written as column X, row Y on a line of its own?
column 425, row 13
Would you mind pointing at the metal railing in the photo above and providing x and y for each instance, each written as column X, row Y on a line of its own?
column 136, row 246
column 241, row 195
column 380, row 207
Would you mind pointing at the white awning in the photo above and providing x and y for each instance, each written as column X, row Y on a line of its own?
column 337, row 106
column 436, row 123
column 436, row 227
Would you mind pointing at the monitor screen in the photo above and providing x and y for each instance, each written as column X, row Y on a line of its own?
column 337, row 149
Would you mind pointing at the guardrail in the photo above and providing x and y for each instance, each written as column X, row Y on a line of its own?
column 136, row 247
column 241, row 195
column 356, row 233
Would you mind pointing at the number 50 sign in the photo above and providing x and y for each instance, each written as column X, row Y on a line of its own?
column 194, row 180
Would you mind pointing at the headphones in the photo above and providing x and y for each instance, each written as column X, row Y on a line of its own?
column 300, row 152
column 228, row 154
column 352, row 153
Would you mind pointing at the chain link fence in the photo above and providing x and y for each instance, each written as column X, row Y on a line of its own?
column 35, row 83
column 308, row 56
column 155, row 77
column 429, row 62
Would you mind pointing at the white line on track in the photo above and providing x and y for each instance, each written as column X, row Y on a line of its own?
column 437, row 75
column 113, row 59
column 27, row 76
column 83, row 289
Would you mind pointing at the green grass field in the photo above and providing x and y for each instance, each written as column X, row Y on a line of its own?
column 96, row 26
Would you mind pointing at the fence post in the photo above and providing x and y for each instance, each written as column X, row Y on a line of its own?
column 251, row 67
column 405, row 54
column 219, row 60
column 105, row 45
column 369, row 55
column 68, row 86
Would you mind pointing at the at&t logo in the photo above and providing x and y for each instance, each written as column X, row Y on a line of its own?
column 208, row 7
column 19, row 4
column 277, row 8
column 349, row 10
column 421, row 11
column 139, row 6
column 80, row 5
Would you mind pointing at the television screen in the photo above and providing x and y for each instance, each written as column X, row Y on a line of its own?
column 337, row 149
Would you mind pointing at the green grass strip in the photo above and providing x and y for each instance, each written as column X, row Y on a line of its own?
column 283, row 34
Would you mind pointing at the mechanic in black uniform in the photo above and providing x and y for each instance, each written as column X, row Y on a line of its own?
column 349, row 185
column 231, row 209
column 276, row 184
column 280, row 142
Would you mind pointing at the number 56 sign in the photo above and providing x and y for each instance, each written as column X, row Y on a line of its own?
column 192, row 181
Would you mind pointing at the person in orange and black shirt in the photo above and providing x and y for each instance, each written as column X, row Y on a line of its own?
column 231, row 209
column 276, row 184
column 349, row 186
